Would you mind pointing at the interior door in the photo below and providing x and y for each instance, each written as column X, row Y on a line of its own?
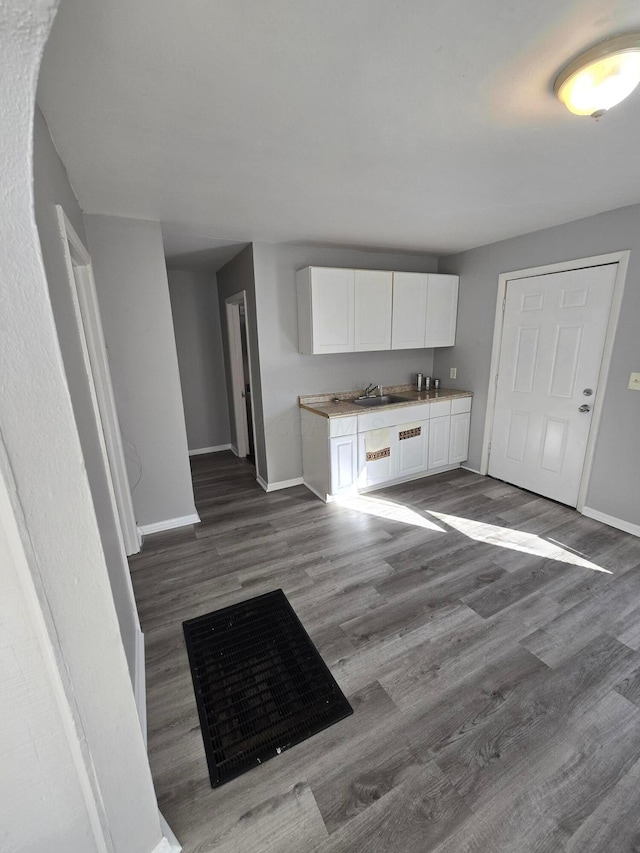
column 553, row 337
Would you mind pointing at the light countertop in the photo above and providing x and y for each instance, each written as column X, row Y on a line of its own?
column 341, row 404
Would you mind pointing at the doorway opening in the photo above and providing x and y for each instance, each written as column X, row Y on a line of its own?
column 243, row 427
column 246, row 374
column 553, row 338
column 94, row 351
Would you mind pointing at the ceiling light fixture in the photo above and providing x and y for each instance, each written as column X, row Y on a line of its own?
column 601, row 77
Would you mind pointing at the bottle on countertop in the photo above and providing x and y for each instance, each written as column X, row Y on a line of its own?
column 419, row 381
column 427, row 383
column 436, row 384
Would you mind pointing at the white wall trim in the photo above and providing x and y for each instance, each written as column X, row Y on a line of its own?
column 140, row 684
column 473, row 470
column 233, row 304
column 169, row 524
column 622, row 260
column 94, row 352
column 234, row 449
column 363, row 490
column 326, row 498
column 166, row 846
column 216, row 449
column 611, row 520
column 280, row 484
column 174, row 844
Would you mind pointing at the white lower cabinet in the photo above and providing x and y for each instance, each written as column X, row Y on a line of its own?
column 439, row 441
column 341, row 455
column 413, row 448
column 459, row 437
column 393, row 452
column 344, row 463
column 376, row 457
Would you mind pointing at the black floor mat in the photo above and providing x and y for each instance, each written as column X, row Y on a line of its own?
column 260, row 684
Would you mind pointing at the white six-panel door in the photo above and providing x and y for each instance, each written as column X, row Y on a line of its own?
column 553, row 338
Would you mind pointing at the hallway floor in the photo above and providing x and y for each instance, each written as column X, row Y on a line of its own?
column 488, row 640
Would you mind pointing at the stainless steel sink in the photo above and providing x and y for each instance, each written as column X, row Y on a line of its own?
column 374, row 402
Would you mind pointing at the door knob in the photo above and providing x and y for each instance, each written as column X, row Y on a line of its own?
column 584, row 408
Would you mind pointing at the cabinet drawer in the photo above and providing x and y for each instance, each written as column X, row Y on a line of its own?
column 343, row 426
column 460, row 405
column 440, row 409
column 393, row 417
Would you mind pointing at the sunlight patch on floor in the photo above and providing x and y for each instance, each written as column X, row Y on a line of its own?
column 517, row 540
column 389, row 510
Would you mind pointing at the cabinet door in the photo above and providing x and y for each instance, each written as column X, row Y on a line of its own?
column 442, row 310
column 372, row 309
column 332, row 301
column 408, row 327
column 459, row 438
column 439, row 441
column 344, row 463
column 376, row 456
column 413, row 445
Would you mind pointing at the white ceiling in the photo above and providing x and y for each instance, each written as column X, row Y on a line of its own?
column 390, row 124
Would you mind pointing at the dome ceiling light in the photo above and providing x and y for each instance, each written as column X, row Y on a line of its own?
column 600, row 77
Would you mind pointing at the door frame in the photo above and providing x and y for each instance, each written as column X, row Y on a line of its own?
column 238, row 394
column 94, row 351
column 622, row 260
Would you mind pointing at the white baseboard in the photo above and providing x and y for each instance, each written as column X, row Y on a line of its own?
column 473, row 470
column 234, row 449
column 169, row 843
column 279, row 484
column 140, row 684
column 408, row 479
column 325, row 498
column 200, row 451
column 139, row 532
column 363, row 490
column 169, row 524
column 612, row 521
column 166, row 846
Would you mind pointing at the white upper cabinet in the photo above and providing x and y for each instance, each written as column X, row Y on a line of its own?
column 358, row 310
column 325, row 310
column 425, row 308
column 442, row 310
column 409, row 310
column 373, row 290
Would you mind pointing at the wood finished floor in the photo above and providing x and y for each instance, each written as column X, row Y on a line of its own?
column 493, row 670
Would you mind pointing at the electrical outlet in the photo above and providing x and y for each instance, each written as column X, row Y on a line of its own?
column 634, row 382
column 453, row 372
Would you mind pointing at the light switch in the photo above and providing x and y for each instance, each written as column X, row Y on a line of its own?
column 453, row 372
column 634, row 382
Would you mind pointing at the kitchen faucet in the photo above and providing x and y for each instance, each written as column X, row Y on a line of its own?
column 370, row 390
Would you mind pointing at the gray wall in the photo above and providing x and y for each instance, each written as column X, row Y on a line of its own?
column 234, row 277
column 74, row 775
column 196, row 323
column 133, row 291
column 51, row 187
column 615, row 480
column 286, row 374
